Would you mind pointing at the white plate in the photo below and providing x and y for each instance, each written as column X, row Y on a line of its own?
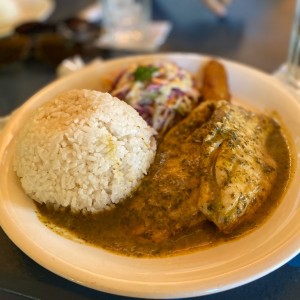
column 23, row 11
column 200, row 273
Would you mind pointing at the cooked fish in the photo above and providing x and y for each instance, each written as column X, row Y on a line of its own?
column 237, row 171
column 214, row 165
column 163, row 203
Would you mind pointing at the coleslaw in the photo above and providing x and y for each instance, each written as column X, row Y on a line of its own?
column 161, row 92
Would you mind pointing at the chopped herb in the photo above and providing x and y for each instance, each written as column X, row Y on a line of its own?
column 144, row 73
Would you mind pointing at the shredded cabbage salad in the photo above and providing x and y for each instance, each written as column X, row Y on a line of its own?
column 160, row 92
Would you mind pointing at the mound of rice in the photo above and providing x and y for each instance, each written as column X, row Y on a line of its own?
column 85, row 150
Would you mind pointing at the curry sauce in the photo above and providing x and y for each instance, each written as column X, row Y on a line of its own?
column 149, row 224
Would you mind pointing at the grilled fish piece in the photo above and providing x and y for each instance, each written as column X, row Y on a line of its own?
column 163, row 204
column 237, row 171
column 214, row 165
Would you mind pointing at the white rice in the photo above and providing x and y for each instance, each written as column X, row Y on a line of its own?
column 85, row 150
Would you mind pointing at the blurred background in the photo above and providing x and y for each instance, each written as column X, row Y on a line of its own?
column 252, row 32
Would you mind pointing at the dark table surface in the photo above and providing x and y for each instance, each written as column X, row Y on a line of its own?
column 255, row 32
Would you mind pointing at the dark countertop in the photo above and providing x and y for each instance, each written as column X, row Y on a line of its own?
column 255, row 33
